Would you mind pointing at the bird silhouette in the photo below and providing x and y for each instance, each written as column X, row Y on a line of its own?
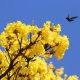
column 70, row 19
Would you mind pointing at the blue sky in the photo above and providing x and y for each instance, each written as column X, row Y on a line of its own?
column 55, row 11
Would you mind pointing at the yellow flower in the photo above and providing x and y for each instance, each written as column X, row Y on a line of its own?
column 33, row 29
column 63, row 44
column 37, row 49
column 37, row 66
column 3, row 40
column 74, row 77
column 56, row 28
column 2, row 55
column 59, row 71
column 4, row 62
column 51, row 66
column 47, row 25
column 18, row 26
column 42, row 66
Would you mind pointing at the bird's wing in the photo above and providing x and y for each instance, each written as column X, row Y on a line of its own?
column 74, row 17
column 70, row 20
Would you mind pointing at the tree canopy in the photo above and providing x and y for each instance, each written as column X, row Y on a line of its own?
column 26, row 49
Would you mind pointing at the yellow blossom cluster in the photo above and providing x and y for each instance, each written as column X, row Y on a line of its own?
column 26, row 49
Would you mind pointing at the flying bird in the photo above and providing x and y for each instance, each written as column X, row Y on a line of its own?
column 70, row 19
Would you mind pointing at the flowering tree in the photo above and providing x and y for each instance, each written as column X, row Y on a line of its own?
column 26, row 49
